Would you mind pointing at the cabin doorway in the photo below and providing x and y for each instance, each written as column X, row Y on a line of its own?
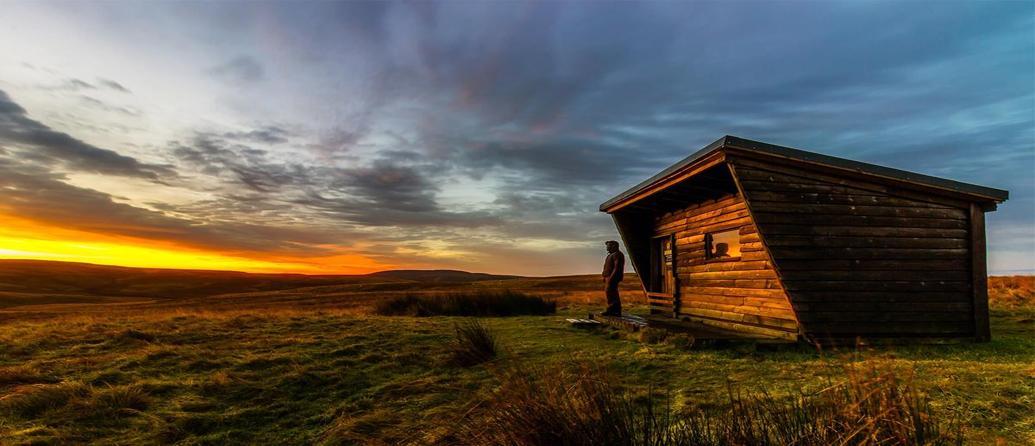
column 663, row 265
column 663, row 289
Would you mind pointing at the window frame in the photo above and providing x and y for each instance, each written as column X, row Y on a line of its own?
column 708, row 239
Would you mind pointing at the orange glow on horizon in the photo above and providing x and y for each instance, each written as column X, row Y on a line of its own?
column 23, row 239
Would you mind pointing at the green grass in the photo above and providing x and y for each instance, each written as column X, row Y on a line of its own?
column 480, row 303
column 303, row 377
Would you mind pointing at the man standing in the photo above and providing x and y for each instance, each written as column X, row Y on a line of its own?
column 614, row 270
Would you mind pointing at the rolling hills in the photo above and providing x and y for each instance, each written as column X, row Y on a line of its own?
column 84, row 279
column 50, row 287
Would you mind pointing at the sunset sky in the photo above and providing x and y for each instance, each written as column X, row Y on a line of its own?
column 346, row 138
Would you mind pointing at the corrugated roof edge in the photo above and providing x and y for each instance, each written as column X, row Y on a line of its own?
column 988, row 193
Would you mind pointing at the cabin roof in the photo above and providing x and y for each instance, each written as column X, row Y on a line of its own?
column 749, row 147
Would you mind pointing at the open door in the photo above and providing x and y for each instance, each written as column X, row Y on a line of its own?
column 663, row 293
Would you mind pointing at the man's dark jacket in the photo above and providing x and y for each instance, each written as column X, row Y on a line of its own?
column 614, row 268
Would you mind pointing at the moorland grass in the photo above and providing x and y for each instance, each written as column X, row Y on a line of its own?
column 584, row 405
column 477, row 303
column 36, row 399
column 1011, row 292
column 294, row 375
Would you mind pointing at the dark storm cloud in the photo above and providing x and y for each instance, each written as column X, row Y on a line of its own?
column 239, row 69
column 41, row 143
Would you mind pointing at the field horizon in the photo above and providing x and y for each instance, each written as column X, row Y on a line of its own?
column 35, row 288
column 19, row 265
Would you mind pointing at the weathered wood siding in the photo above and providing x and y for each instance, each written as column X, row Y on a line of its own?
column 744, row 294
column 859, row 258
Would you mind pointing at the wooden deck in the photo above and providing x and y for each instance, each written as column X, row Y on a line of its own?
column 583, row 323
column 708, row 333
column 626, row 321
column 699, row 331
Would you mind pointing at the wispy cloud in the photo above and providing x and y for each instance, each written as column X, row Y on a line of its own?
column 112, row 85
column 239, row 69
column 38, row 142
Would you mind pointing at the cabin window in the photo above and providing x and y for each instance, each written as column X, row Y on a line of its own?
column 723, row 245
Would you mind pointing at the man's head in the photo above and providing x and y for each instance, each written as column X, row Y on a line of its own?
column 722, row 250
column 611, row 245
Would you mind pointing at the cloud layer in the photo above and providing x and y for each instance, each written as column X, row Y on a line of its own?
column 483, row 136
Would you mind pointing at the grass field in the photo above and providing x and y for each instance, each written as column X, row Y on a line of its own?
column 313, row 365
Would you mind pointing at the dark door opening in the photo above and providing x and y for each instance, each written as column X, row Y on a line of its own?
column 663, row 265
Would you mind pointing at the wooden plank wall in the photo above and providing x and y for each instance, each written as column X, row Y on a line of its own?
column 743, row 295
column 863, row 259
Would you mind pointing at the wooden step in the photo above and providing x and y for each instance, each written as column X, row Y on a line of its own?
column 626, row 321
column 583, row 323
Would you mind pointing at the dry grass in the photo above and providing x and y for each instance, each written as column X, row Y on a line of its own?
column 312, row 367
column 36, row 399
column 472, row 303
column 118, row 399
column 584, row 405
column 552, row 406
column 1011, row 292
column 352, row 298
column 22, row 374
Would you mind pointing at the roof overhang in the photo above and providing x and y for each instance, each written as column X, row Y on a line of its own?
column 715, row 153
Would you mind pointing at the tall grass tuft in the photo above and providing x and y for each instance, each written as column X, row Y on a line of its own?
column 481, row 303
column 118, row 399
column 84, row 400
column 570, row 406
column 23, row 374
column 35, row 399
column 474, row 344
column 583, row 406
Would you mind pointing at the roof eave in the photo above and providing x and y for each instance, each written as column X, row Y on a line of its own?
column 973, row 192
column 673, row 170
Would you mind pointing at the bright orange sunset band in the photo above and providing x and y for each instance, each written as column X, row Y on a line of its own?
column 22, row 239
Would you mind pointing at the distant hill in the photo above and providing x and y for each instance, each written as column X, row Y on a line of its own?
column 67, row 278
column 438, row 275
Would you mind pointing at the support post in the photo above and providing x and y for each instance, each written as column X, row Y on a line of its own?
column 979, row 273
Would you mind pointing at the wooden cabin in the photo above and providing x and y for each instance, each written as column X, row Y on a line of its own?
column 776, row 242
